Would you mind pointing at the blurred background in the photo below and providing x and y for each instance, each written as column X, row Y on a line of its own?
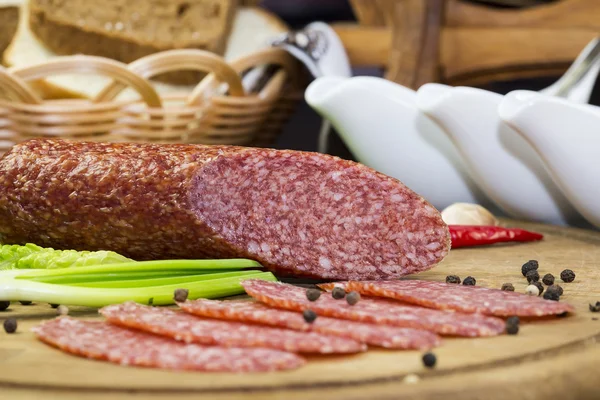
column 302, row 130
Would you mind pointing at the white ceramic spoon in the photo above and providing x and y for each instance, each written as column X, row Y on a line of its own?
column 566, row 135
column 502, row 163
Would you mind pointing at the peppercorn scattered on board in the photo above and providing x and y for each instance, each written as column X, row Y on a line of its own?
column 561, row 350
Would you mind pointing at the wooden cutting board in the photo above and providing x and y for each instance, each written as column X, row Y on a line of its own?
column 553, row 358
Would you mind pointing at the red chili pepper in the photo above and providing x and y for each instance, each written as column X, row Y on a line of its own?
column 478, row 235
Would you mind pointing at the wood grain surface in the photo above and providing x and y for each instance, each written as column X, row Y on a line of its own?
column 550, row 358
column 563, row 14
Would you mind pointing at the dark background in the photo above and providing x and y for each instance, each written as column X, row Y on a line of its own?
column 302, row 130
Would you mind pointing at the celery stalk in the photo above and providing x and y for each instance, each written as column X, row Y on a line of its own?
column 15, row 289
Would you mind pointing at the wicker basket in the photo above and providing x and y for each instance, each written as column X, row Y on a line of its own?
column 219, row 110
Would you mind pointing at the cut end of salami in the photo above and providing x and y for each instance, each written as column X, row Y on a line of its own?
column 103, row 341
column 467, row 299
column 297, row 213
column 314, row 215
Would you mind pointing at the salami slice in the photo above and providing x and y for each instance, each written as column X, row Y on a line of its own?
column 103, row 341
column 467, row 299
column 377, row 335
column 297, row 213
column 191, row 329
column 375, row 310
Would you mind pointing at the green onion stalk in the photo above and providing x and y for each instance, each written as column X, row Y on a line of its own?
column 101, row 278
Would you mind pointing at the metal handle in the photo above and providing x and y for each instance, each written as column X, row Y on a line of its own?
column 579, row 69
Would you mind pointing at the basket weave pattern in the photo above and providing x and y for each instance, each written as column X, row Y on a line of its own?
column 221, row 109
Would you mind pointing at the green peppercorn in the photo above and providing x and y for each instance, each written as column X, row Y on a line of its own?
column 4, row 305
column 595, row 307
column 539, row 285
column 352, row 298
column 10, row 325
column 529, row 266
column 508, row 287
column 453, row 279
column 25, row 302
column 313, row 294
column 548, row 279
column 338, row 293
column 429, row 360
column 532, row 276
column 469, row 281
column 309, row 316
column 567, row 275
column 181, row 295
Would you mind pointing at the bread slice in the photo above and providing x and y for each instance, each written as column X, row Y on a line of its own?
column 9, row 17
column 126, row 30
column 251, row 29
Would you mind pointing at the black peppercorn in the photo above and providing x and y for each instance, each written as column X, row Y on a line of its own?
column 512, row 329
column 532, row 276
column 529, row 266
column 309, row 316
column 338, row 293
column 556, row 289
column 313, row 294
column 181, row 295
column 595, row 307
column 452, row 279
column 567, row 275
column 539, row 285
column 469, row 281
column 10, row 325
column 352, row 298
column 513, row 321
column 4, row 305
column 548, row 279
column 508, row 287
column 25, row 302
column 429, row 360
column 551, row 295
column 54, row 305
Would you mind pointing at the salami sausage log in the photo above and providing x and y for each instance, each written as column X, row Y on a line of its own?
column 102, row 341
column 297, row 213
column 191, row 329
